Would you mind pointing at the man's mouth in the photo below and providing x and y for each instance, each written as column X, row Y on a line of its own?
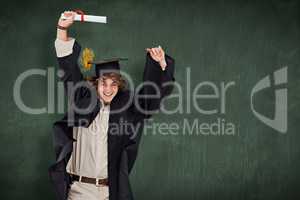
column 107, row 94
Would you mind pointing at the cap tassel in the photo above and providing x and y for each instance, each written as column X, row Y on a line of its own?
column 87, row 58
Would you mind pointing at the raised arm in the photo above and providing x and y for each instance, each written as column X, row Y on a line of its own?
column 158, row 77
column 157, row 82
column 67, row 51
column 156, row 58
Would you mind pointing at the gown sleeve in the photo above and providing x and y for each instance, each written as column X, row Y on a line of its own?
column 162, row 80
column 67, row 56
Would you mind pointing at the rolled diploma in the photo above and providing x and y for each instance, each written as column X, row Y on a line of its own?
column 89, row 18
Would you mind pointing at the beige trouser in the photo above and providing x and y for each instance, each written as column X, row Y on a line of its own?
column 87, row 191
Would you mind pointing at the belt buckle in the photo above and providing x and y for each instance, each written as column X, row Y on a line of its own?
column 97, row 183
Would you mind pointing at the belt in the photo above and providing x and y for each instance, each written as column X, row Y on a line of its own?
column 96, row 181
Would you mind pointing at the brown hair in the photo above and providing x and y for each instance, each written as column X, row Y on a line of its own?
column 111, row 75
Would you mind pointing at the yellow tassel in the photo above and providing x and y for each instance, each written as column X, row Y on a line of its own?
column 86, row 58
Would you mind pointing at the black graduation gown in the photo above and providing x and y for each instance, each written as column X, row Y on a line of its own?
column 122, row 148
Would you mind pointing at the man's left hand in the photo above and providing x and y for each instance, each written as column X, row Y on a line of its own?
column 158, row 54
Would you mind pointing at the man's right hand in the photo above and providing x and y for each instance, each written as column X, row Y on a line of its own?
column 66, row 23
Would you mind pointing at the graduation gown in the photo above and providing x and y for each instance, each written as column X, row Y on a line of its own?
column 122, row 148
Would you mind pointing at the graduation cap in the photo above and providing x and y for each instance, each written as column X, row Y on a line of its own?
column 107, row 66
column 101, row 66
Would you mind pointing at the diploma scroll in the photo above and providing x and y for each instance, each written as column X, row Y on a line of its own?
column 88, row 18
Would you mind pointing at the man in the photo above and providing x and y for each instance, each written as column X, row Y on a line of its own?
column 93, row 157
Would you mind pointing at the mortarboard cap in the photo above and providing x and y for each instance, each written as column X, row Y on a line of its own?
column 107, row 65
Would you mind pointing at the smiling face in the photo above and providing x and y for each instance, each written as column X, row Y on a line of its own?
column 108, row 86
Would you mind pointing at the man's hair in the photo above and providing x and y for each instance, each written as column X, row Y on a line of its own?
column 110, row 75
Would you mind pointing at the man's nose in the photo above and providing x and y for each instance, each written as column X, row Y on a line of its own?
column 107, row 89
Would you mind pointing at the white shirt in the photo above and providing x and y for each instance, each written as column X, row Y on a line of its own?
column 89, row 156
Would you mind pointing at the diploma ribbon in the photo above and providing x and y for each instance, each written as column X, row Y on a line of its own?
column 81, row 13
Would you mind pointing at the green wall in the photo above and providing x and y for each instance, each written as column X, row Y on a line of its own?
column 218, row 40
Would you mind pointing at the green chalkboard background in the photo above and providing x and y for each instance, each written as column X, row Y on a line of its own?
column 218, row 40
